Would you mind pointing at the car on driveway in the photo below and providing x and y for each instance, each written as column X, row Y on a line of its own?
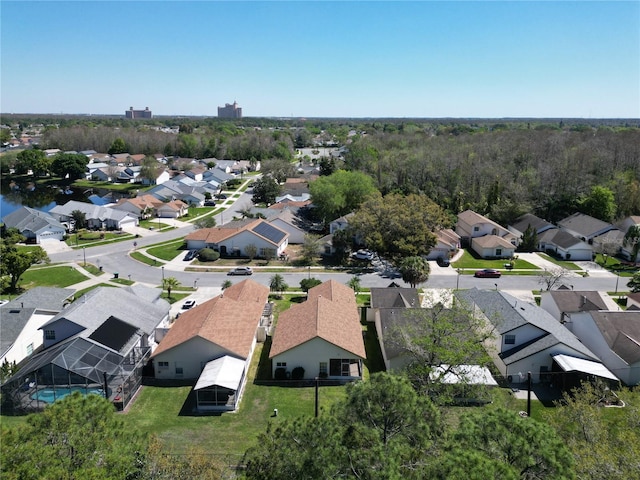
column 191, row 254
column 443, row 262
column 188, row 304
column 487, row 273
column 363, row 255
column 241, row 271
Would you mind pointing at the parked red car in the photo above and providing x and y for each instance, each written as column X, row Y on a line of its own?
column 487, row 273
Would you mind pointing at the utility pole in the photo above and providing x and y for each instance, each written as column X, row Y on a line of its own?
column 529, row 394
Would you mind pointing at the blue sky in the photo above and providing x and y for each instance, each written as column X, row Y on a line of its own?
column 323, row 59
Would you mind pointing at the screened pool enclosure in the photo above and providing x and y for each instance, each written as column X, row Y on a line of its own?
column 77, row 364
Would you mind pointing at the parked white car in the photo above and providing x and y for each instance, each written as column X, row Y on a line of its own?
column 363, row 255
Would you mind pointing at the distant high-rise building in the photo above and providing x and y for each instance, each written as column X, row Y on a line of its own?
column 230, row 111
column 131, row 113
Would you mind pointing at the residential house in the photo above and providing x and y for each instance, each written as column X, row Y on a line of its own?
column 563, row 303
column 611, row 243
column 196, row 172
column 213, row 343
column 529, row 339
column 387, row 312
column 471, row 225
column 492, row 246
column 287, row 221
column 286, row 198
column 322, row 335
column 174, row 190
column 21, row 318
column 216, row 175
column 584, row 226
column 147, row 206
column 35, row 225
column 528, row 220
column 633, row 301
column 565, row 245
column 236, row 167
column 340, row 223
column 447, row 244
column 614, row 336
column 98, row 217
column 100, row 344
column 484, row 236
column 232, row 239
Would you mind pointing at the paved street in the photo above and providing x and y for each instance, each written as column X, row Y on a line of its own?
column 115, row 258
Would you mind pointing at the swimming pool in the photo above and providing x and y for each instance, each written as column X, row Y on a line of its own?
column 49, row 395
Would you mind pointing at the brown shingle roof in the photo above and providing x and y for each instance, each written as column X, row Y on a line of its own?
column 218, row 234
column 330, row 313
column 228, row 320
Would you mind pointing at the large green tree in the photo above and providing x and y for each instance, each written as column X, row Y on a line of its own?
column 604, row 442
column 435, row 341
column 71, row 165
column 397, row 225
column 118, row 146
column 266, row 189
column 529, row 449
column 34, row 160
column 340, row 193
column 600, row 203
column 382, row 430
column 17, row 260
column 77, row 437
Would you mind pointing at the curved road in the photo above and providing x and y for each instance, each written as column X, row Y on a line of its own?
column 115, row 258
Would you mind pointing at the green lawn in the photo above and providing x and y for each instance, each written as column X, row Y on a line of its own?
column 86, row 239
column 166, row 413
column 167, row 251
column 561, row 263
column 61, row 276
column 175, row 297
column 119, row 187
column 92, row 269
column 141, row 257
column 468, row 261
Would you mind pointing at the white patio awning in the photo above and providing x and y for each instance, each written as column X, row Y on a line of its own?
column 223, row 372
column 573, row 364
column 467, row 374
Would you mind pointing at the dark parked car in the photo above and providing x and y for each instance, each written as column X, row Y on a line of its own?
column 209, row 203
column 241, row 271
column 221, row 196
column 443, row 262
column 191, row 254
column 487, row 273
column 188, row 304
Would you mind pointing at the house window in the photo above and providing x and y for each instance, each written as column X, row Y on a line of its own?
column 179, row 371
column 509, row 339
column 49, row 334
column 281, row 364
column 30, row 349
column 323, row 369
column 163, row 364
column 476, row 229
column 341, row 367
column 498, row 252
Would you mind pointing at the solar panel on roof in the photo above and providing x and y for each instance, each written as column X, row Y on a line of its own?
column 269, row 232
column 114, row 333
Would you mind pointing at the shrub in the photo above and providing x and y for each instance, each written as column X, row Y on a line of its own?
column 297, row 373
column 208, row 255
column 280, row 373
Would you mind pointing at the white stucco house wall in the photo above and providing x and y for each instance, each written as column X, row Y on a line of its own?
column 322, row 335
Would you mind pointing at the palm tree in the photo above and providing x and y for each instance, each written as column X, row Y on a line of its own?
column 414, row 270
column 277, row 284
column 354, row 284
column 226, row 284
column 170, row 283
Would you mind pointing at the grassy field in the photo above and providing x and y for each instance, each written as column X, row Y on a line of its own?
column 141, row 257
column 167, row 251
column 118, row 187
column 61, row 276
column 166, row 412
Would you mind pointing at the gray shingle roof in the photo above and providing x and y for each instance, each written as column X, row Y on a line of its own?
column 560, row 238
column 94, row 308
column 26, row 218
column 394, row 297
column 527, row 219
column 507, row 313
column 621, row 331
column 584, row 224
column 15, row 314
